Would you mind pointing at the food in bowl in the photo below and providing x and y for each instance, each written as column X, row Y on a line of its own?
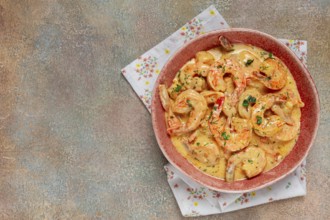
column 233, row 111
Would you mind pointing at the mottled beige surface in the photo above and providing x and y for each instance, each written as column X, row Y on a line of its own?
column 75, row 140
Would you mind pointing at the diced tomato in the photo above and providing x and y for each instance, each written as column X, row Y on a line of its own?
column 220, row 101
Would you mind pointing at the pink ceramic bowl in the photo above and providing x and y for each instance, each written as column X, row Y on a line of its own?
column 306, row 87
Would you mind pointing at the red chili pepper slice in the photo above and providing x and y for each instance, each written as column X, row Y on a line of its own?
column 220, row 101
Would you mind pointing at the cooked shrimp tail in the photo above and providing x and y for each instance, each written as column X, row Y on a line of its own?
column 164, row 97
column 225, row 44
column 192, row 103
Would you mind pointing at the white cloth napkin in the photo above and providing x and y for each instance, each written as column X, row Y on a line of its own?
column 193, row 198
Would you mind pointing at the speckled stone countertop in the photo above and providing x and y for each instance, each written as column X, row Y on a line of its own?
column 75, row 140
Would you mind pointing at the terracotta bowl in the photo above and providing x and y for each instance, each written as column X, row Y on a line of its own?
column 306, row 87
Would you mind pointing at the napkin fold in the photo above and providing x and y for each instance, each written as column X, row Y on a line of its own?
column 194, row 199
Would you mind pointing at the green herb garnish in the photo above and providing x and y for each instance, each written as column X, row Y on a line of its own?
column 249, row 100
column 249, row 62
column 177, row 88
column 245, row 103
column 252, row 99
column 259, row 120
column 211, row 112
column 225, row 136
column 270, row 55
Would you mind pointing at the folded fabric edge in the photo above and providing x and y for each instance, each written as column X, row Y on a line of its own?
column 298, row 192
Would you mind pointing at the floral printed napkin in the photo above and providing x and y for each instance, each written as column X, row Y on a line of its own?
column 193, row 198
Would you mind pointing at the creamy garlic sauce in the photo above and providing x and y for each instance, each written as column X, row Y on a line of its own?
column 276, row 151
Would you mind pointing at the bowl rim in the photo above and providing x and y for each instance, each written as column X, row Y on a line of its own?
column 296, row 60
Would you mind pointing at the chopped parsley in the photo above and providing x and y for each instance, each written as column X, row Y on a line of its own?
column 211, row 112
column 225, row 136
column 266, row 55
column 177, row 88
column 259, row 120
column 198, row 143
column 249, row 62
column 249, row 100
column 245, row 103
column 263, row 53
column 252, row 99
column 250, row 161
column 219, row 67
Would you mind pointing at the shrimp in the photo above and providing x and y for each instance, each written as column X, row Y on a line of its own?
column 233, row 134
column 284, row 109
column 190, row 74
column 252, row 160
column 204, row 57
column 250, row 62
column 211, row 96
column 225, row 44
column 237, row 134
column 202, row 68
column 272, row 74
column 192, row 103
column 220, row 68
column 246, row 101
column 173, row 122
column 164, row 98
column 288, row 132
column 239, row 80
column 288, row 111
column 230, row 86
column 229, row 108
column 230, row 104
column 262, row 126
column 189, row 77
column 217, row 123
column 216, row 82
column 215, row 77
column 176, row 87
